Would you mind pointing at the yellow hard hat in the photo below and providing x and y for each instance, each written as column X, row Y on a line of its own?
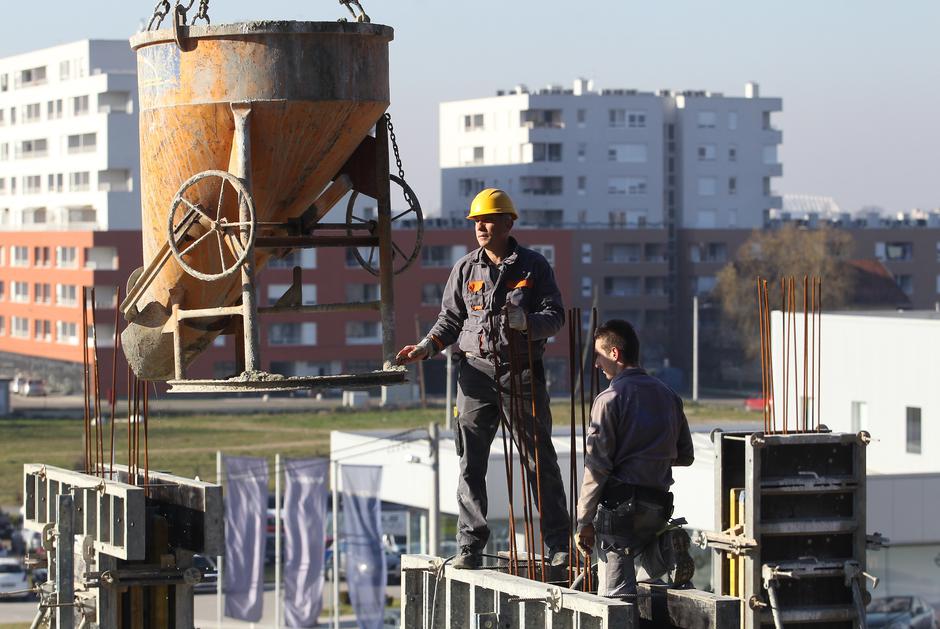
column 492, row 201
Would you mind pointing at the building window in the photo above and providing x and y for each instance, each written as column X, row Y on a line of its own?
column 54, row 109
column 542, row 218
column 2, row 290
column 471, row 155
column 432, row 294
column 707, row 218
column 586, row 253
column 894, row 251
column 546, row 152
column 82, row 142
column 473, row 122
column 703, row 285
column 32, row 148
column 706, row 119
column 66, row 333
column 20, row 256
column 905, row 283
column 707, row 186
column 582, row 117
column 42, row 256
column 707, row 152
column 732, row 120
column 627, row 153
column 732, row 185
column 541, row 119
column 437, row 256
column 363, row 333
column 359, row 293
column 5, row 151
column 292, row 334
column 582, row 151
column 19, row 327
column 33, row 76
column 66, row 257
column 587, row 286
column 547, row 251
column 617, row 118
column 308, row 293
column 582, row 184
column 913, row 430
column 470, row 187
column 42, row 330
column 770, row 154
column 66, row 295
column 626, row 185
column 33, row 112
column 54, row 183
column 541, row 185
column 732, row 153
column 620, row 252
column 859, row 416
column 19, row 292
column 304, row 258
column 622, row 286
column 3, row 325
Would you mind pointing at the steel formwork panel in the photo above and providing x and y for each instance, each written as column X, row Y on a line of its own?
column 804, row 496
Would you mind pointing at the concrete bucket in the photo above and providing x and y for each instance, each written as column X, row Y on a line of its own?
column 242, row 127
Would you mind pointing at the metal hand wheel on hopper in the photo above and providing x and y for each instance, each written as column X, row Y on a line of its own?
column 234, row 237
column 397, row 254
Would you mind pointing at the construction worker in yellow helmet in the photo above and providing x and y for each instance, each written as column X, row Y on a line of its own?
column 498, row 294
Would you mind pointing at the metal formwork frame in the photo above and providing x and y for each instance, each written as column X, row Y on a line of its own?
column 740, row 461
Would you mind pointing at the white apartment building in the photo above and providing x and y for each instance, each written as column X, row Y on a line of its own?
column 69, row 153
column 615, row 157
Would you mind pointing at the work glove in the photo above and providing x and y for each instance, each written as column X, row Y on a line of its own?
column 585, row 539
column 515, row 315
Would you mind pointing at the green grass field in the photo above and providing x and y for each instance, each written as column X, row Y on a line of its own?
column 186, row 445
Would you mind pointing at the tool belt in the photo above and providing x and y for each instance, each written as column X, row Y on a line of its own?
column 632, row 508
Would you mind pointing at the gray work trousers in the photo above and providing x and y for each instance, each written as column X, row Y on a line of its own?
column 630, row 553
column 477, row 423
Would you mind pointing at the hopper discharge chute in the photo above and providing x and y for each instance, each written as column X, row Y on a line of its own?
column 249, row 134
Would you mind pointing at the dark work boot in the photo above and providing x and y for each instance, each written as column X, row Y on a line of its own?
column 468, row 559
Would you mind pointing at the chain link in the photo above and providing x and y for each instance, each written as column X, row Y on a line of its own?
column 159, row 12
column 401, row 170
column 202, row 13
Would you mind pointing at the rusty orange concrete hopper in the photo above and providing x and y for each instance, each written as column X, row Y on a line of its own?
column 243, row 127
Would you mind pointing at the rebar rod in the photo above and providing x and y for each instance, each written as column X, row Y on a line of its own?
column 819, row 358
column 515, row 406
column 113, row 395
column 806, row 389
column 763, row 352
column 146, row 438
column 99, row 429
column 785, row 354
column 796, row 370
column 507, row 453
column 770, row 364
column 86, row 426
column 574, row 557
column 812, row 360
column 129, row 397
column 536, row 425
column 581, row 381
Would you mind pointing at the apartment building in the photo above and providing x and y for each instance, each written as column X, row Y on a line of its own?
column 69, row 199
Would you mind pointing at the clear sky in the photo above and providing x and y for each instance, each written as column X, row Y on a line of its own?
column 860, row 79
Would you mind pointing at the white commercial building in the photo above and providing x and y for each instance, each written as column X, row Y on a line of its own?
column 878, row 372
column 618, row 157
column 69, row 153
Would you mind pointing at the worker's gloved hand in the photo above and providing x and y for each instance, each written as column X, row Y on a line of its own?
column 585, row 539
column 515, row 315
column 413, row 353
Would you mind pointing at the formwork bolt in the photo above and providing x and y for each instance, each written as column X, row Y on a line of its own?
column 864, row 437
column 755, row 603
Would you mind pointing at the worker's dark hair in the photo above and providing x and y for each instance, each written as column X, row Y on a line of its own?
column 620, row 334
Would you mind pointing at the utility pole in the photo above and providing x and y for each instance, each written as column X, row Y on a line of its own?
column 335, row 544
column 277, row 541
column 449, row 405
column 219, row 558
column 420, row 367
column 434, row 519
column 695, row 348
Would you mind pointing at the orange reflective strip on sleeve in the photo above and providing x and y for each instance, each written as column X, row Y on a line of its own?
column 475, row 285
column 476, row 307
column 523, row 283
column 437, row 342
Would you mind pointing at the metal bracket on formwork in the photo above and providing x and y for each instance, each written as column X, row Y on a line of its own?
column 487, row 620
column 876, row 541
column 553, row 599
column 864, row 437
column 730, row 540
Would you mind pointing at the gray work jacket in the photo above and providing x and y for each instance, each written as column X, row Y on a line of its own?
column 476, row 289
column 638, row 432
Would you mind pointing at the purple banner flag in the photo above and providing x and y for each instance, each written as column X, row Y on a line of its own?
column 246, row 504
column 365, row 557
column 305, row 492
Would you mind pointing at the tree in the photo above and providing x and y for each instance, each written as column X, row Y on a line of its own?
column 775, row 254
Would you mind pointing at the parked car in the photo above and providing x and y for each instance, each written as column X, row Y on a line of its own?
column 13, row 577
column 210, row 573
column 34, row 388
column 392, row 562
column 900, row 612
